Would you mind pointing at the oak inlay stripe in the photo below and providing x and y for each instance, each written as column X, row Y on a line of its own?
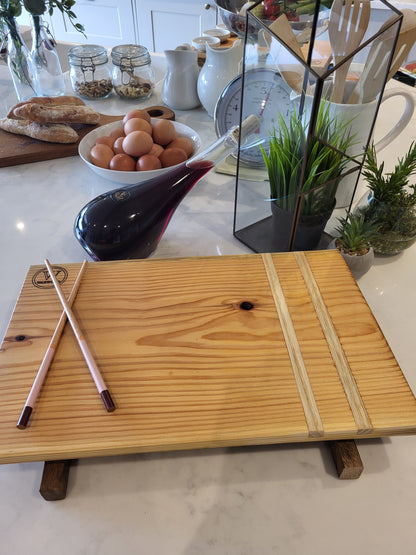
column 310, row 408
column 349, row 384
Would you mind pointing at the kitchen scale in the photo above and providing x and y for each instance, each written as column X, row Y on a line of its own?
column 267, row 96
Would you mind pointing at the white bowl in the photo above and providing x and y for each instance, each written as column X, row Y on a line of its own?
column 222, row 34
column 129, row 178
column 221, row 26
column 200, row 42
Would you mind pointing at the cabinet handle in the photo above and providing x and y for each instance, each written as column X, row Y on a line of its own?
column 207, row 6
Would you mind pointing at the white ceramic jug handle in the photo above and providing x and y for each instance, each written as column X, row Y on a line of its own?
column 403, row 121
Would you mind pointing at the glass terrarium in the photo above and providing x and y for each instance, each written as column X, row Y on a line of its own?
column 316, row 83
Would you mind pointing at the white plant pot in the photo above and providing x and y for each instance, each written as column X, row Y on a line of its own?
column 358, row 264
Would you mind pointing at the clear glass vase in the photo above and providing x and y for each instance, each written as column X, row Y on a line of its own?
column 396, row 224
column 3, row 42
column 19, row 62
column 48, row 78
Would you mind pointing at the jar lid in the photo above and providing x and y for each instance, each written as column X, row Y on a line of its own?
column 93, row 53
column 134, row 54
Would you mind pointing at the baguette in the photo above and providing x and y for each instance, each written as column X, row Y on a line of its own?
column 57, row 114
column 49, row 101
column 50, row 133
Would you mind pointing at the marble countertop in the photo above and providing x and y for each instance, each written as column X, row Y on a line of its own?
column 284, row 499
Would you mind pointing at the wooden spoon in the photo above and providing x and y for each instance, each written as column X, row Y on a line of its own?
column 282, row 28
column 292, row 73
column 405, row 41
column 374, row 72
column 346, row 31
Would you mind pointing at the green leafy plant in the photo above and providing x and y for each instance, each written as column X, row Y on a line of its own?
column 355, row 234
column 305, row 163
column 9, row 9
column 39, row 7
column 392, row 201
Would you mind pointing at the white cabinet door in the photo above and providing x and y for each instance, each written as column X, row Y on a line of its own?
column 164, row 24
column 106, row 22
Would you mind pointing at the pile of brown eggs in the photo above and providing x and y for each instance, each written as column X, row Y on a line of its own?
column 140, row 145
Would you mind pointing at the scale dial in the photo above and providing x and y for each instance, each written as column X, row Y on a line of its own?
column 266, row 95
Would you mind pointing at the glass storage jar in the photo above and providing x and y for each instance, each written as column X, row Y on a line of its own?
column 90, row 72
column 133, row 75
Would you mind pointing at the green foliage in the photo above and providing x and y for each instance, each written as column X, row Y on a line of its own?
column 391, row 204
column 392, row 187
column 35, row 7
column 394, row 202
column 10, row 9
column 65, row 7
column 355, row 234
column 13, row 8
column 299, row 162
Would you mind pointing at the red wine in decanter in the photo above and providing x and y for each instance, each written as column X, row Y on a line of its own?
column 129, row 222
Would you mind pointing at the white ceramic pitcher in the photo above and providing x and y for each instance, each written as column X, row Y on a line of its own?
column 220, row 67
column 361, row 117
column 179, row 90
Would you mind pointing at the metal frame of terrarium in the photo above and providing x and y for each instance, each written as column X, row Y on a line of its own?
column 264, row 48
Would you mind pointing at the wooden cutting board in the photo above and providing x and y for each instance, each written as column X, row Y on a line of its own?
column 19, row 149
column 201, row 352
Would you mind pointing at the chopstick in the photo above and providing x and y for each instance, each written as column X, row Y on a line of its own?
column 47, row 359
column 89, row 359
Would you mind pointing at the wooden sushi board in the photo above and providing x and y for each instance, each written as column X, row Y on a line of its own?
column 19, row 149
column 201, row 352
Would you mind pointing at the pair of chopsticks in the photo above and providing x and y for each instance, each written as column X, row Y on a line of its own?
column 50, row 352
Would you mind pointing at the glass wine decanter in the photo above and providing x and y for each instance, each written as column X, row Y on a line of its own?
column 129, row 222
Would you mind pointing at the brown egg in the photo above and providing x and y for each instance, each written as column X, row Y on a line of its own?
column 163, row 132
column 101, row 155
column 148, row 162
column 123, row 163
column 156, row 150
column 118, row 146
column 172, row 156
column 137, row 143
column 184, row 143
column 119, row 132
column 109, row 141
column 137, row 114
column 137, row 124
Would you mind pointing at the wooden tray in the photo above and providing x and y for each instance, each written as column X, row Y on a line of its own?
column 201, row 352
column 19, row 149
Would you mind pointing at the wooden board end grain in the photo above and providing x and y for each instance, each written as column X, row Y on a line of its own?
column 54, row 482
column 199, row 352
column 347, row 459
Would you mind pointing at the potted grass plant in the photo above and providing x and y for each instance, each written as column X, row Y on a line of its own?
column 391, row 202
column 304, row 172
column 354, row 236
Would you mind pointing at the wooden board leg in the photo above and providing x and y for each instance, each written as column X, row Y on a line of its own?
column 54, row 480
column 347, row 459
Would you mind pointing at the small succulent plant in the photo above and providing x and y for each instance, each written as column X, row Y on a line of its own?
column 355, row 234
